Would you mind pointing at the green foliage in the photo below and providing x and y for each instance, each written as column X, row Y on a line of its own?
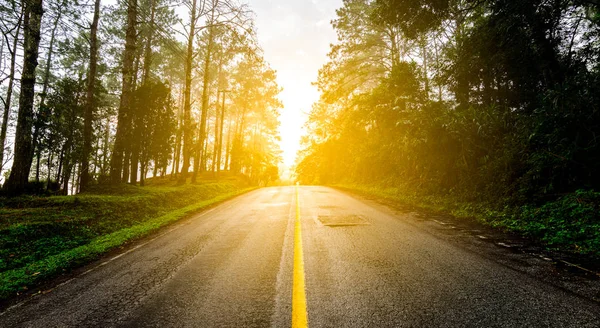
column 153, row 123
column 571, row 223
column 412, row 16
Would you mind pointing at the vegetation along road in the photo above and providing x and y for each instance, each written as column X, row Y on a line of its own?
column 312, row 256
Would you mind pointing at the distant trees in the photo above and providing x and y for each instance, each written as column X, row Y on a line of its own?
column 120, row 97
column 254, row 149
column 492, row 100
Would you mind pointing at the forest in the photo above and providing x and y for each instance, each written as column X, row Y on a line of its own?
column 490, row 103
column 108, row 92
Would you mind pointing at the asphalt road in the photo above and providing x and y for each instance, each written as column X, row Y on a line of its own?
column 364, row 265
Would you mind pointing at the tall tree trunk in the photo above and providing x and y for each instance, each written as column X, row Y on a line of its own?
column 203, row 116
column 137, row 127
column 203, row 159
column 462, row 79
column 124, row 123
column 142, row 172
column 46, row 81
column 19, row 173
column 437, row 61
column 136, row 69
column 37, row 166
column 105, row 147
column 228, row 147
column 187, row 107
column 65, row 180
column 148, row 50
column 424, row 47
column 217, row 117
column 238, row 143
column 222, row 123
column 9, row 91
column 42, row 113
column 177, row 150
column 69, row 160
column 132, row 147
column 216, row 133
column 67, row 167
column 2, row 42
column 49, row 176
column 395, row 53
column 96, row 170
column 135, row 156
column 76, row 182
column 135, row 149
column 73, row 178
column 90, row 104
column 127, row 160
column 60, row 166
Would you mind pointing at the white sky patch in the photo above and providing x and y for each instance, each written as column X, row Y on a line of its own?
column 295, row 36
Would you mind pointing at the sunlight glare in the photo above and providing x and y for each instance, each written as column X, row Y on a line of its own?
column 297, row 99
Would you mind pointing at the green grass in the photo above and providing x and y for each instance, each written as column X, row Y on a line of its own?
column 41, row 237
column 570, row 223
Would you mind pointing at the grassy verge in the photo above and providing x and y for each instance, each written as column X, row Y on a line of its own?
column 41, row 237
column 570, row 223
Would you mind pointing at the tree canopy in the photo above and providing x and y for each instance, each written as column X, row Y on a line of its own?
column 491, row 100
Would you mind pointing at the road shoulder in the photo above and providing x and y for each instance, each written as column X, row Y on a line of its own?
column 508, row 249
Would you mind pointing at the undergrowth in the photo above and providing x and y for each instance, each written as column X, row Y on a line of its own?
column 41, row 237
column 570, row 223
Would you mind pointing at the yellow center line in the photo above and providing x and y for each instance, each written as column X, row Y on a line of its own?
column 299, row 314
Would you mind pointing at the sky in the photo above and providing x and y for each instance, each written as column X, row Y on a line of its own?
column 295, row 36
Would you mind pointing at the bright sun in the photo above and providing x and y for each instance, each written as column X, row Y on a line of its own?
column 297, row 99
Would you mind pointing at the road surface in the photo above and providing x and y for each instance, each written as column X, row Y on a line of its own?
column 361, row 265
